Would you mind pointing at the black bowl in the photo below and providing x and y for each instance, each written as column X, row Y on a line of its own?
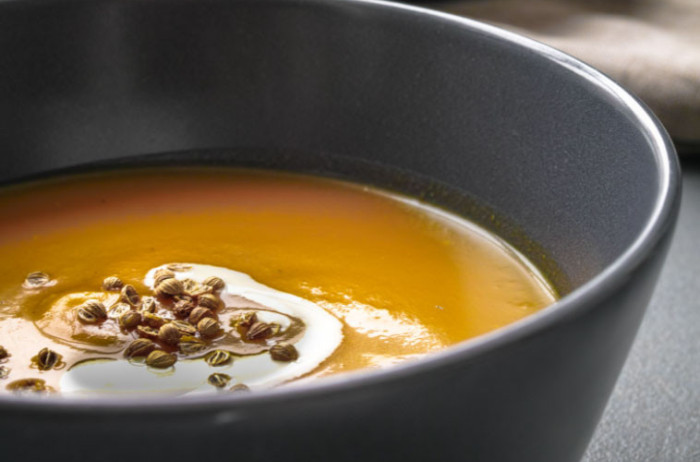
column 470, row 117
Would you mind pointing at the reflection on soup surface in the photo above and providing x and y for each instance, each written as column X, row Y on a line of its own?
column 201, row 280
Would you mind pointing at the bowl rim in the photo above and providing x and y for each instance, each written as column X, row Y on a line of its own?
column 579, row 300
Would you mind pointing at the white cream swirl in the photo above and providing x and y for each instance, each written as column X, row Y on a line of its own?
column 322, row 336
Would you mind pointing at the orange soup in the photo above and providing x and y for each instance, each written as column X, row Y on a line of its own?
column 318, row 276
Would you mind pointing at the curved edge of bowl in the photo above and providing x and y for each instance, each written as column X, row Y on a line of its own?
column 660, row 223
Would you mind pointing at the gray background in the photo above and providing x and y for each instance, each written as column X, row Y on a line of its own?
column 654, row 412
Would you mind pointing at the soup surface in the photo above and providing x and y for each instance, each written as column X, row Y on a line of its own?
column 368, row 278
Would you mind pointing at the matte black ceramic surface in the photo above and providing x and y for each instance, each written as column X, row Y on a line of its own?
column 467, row 116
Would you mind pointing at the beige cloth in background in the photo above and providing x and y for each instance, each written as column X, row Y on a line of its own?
column 651, row 47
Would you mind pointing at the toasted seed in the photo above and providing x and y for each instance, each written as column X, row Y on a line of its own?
column 177, row 267
column 47, row 359
column 92, row 311
column 244, row 320
column 186, row 298
column 197, row 289
column 129, row 295
column 190, row 345
column 160, row 359
column 182, row 311
column 95, row 307
column 112, row 283
column 36, row 279
column 31, row 385
column 208, row 328
column 118, row 309
column 193, row 287
column 259, row 331
column 210, row 301
column 219, row 380
column 214, row 282
column 139, row 347
column 3, row 353
column 148, row 305
column 239, row 387
column 85, row 316
column 200, row 313
column 185, row 328
column 4, row 372
column 218, row 358
column 147, row 332
column 183, row 307
column 169, row 333
column 170, row 287
column 130, row 319
column 284, row 352
column 153, row 320
column 161, row 275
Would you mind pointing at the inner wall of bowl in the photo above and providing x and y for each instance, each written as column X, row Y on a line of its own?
column 324, row 89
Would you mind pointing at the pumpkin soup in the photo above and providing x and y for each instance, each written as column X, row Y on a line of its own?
column 200, row 280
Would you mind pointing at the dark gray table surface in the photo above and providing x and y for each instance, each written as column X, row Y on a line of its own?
column 654, row 412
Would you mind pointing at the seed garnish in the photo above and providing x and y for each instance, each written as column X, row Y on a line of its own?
column 284, row 352
column 186, row 322
column 112, row 283
column 47, row 359
column 210, row 301
column 147, row 332
column 214, row 282
column 259, row 331
column 169, row 334
column 139, row 347
column 129, row 295
column 36, row 280
column 200, row 313
column 218, row 358
column 161, row 275
column 190, row 345
column 160, row 359
column 219, row 380
column 170, row 287
column 153, row 320
column 91, row 312
column 208, row 328
column 184, row 327
column 28, row 385
column 130, row 319
column 148, row 305
column 244, row 320
column 183, row 307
